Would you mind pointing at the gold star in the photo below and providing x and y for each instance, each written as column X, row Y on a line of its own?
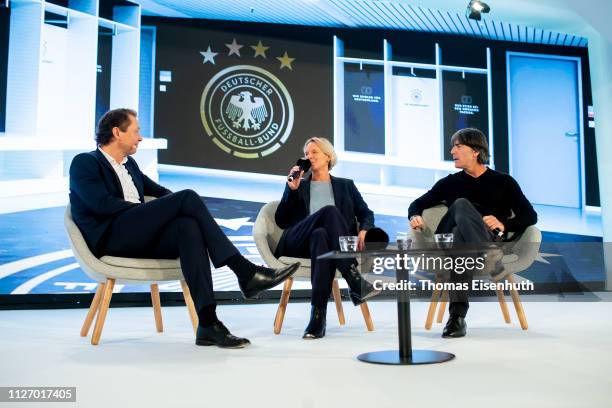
column 260, row 49
column 285, row 61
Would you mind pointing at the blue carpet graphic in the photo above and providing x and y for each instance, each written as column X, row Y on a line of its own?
column 35, row 257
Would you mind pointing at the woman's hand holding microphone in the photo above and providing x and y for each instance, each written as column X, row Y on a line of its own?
column 295, row 183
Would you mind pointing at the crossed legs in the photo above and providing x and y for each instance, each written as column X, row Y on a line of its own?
column 467, row 226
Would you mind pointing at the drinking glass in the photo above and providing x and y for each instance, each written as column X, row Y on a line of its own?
column 348, row 243
column 444, row 240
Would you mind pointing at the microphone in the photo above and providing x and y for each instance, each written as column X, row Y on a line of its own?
column 303, row 164
column 498, row 234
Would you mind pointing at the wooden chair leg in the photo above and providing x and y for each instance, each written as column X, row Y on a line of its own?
column 159, row 325
column 517, row 304
column 365, row 310
column 432, row 308
column 338, row 301
column 503, row 305
column 93, row 308
column 193, row 315
column 282, row 306
column 106, row 298
column 442, row 308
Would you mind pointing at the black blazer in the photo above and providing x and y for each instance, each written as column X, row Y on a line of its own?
column 96, row 196
column 295, row 206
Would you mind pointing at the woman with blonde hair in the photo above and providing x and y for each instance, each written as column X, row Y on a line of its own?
column 314, row 211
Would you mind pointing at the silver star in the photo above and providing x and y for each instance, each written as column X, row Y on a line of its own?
column 234, row 48
column 233, row 223
column 209, row 56
column 541, row 255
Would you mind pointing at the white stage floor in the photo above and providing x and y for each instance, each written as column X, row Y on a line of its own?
column 563, row 360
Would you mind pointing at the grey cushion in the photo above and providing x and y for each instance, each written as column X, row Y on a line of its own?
column 123, row 269
column 287, row 260
column 141, row 262
column 432, row 217
column 266, row 235
column 523, row 250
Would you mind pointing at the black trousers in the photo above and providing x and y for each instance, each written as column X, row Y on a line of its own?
column 467, row 226
column 176, row 225
column 313, row 236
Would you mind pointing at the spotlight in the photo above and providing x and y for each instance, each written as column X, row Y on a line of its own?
column 476, row 8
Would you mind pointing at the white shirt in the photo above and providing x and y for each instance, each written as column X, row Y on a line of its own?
column 130, row 192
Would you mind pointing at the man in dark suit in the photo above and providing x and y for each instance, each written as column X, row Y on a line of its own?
column 107, row 192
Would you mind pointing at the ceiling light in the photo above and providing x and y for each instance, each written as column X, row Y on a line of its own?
column 475, row 8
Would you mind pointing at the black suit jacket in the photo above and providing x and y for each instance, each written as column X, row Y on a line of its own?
column 96, row 196
column 294, row 206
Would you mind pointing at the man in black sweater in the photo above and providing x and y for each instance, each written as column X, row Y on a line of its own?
column 484, row 205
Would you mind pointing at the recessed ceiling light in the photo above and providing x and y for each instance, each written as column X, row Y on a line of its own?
column 475, row 8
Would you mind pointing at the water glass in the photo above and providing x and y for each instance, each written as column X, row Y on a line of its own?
column 444, row 240
column 348, row 243
column 403, row 242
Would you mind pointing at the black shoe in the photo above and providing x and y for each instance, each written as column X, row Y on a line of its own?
column 367, row 291
column 455, row 327
column 360, row 289
column 265, row 278
column 316, row 326
column 218, row 335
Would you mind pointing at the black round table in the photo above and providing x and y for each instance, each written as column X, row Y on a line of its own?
column 405, row 355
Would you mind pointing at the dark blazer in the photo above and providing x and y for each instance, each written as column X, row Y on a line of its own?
column 294, row 206
column 96, row 196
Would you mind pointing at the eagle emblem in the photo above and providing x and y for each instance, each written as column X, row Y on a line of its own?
column 246, row 111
